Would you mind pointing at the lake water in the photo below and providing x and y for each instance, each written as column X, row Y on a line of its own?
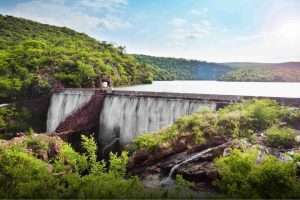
column 260, row 89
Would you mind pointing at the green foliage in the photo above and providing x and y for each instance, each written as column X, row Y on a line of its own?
column 118, row 164
column 243, row 177
column 69, row 161
column 248, row 74
column 66, row 174
column 292, row 117
column 181, row 183
column 13, row 119
column 90, row 147
column 237, row 120
column 35, row 144
column 267, row 72
column 256, row 115
column 182, row 69
column 280, row 137
column 34, row 57
column 182, row 189
column 151, row 141
column 24, row 176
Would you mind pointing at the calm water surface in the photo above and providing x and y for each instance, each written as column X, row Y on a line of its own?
column 261, row 89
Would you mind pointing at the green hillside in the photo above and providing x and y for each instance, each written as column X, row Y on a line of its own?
column 34, row 57
column 183, row 69
column 271, row 72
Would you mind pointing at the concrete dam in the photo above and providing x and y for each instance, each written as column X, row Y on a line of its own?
column 122, row 115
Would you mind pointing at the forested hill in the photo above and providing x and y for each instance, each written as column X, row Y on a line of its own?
column 35, row 56
column 283, row 72
column 183, row 69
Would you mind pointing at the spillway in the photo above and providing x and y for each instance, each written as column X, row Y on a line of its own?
column 122, row 115
column 63, row 104
column 125, row 117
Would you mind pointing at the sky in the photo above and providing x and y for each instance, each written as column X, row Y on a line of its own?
column 211, row 30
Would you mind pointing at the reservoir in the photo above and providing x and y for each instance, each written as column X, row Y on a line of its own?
column 258, row 89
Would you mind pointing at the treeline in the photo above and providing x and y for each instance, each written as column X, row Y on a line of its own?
column 184, row 69
column 34, row 57
column 282, row 72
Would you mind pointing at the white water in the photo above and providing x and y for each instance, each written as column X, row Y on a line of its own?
column 169, row 179
column 63, row 104
column 126, row 117
column 4, row 105
column 259, row 89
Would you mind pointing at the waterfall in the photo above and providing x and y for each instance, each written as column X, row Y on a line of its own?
column 4, row 105
column 63, row 104
column 125, row 117
column 168, row 181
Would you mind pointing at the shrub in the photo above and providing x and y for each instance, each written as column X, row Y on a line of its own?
column 242, row 176
column 35, row 144
column 13, row 119
column 256, row 115
column 68, row 174
column 24, row 176
column 151, row 141
column 280, row 137
column 292, row 117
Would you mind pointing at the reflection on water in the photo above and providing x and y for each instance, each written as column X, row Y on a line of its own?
column 262, row 89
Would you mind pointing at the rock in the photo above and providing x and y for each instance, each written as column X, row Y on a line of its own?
column 143, row 158
column 53, row 150
column 227, row 151
column 20, row 134
column 42, row 155
column 199, row 172
column 297, row 139
column 152, row 181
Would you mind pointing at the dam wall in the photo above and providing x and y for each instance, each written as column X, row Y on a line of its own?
column 125, row 117
column 119, row 116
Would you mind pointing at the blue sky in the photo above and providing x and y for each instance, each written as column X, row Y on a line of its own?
column 213, row 30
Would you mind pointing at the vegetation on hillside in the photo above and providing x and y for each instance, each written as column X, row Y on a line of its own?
column 49, row 168
column 183, row 69
column 258, row 130
column 14, row 119
column 286, row 72
column 242, row 175
column 35, row 57
column 237, row 120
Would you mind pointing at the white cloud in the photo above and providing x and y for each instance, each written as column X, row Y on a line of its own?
column 100, row 4
column 74, row 15
column 178, row 22
column 199, row 12
column 193, row 27
column 184, row 30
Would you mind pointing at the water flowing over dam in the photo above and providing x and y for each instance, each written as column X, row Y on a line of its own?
column 63, row 104
column 125, row 117
column 122, row 114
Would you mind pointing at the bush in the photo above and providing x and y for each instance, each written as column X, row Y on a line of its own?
column 256, row 115
column 280, row 137
column 292, row 117
column 68, row 174
column 151, row 141
column 24, row 176
column 243, row 177
column 13, row 119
